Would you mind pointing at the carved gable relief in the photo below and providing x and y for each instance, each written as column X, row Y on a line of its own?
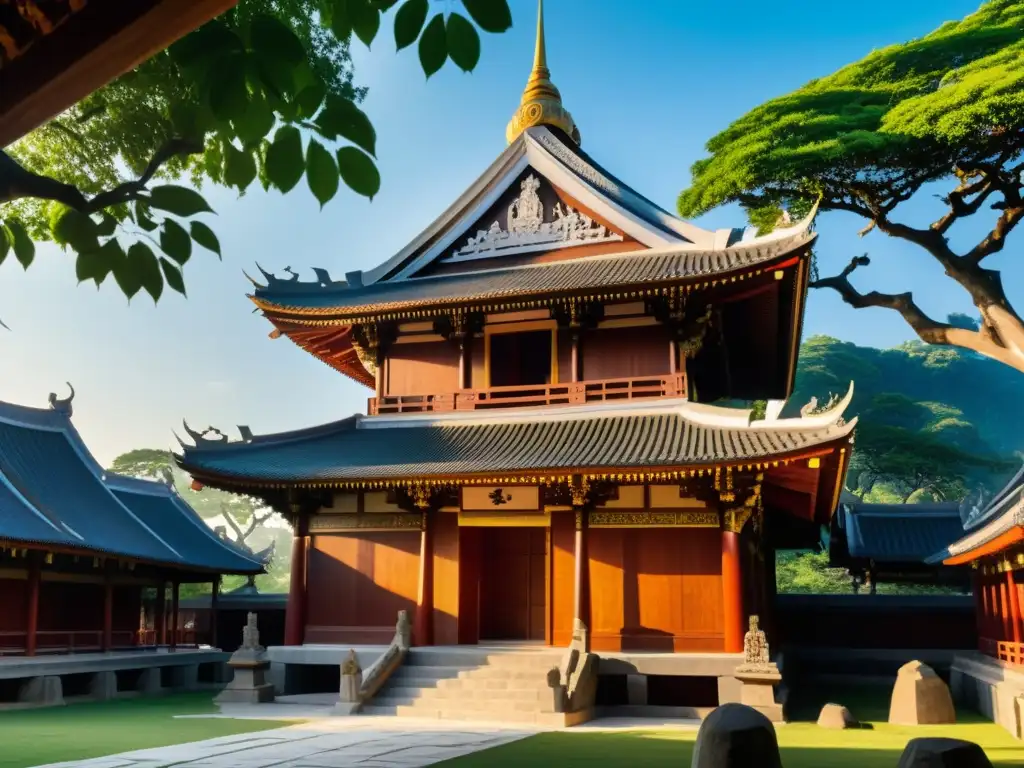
column 528, row 224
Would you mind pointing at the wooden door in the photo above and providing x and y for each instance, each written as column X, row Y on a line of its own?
column 513, row 584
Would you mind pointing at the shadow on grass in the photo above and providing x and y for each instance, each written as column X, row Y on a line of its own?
column 675, row 749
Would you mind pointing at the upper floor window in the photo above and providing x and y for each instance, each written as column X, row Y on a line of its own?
column 520, row 359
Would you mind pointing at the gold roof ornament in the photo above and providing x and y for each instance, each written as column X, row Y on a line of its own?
column 541, row 103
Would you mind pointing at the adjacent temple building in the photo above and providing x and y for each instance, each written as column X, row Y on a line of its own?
column 542, row 442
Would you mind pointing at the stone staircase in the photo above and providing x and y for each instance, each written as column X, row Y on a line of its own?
column 482, row 684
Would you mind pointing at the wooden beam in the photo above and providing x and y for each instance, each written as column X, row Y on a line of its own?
column 99, row 43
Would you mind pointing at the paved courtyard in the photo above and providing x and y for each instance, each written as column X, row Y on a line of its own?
column 367, row 742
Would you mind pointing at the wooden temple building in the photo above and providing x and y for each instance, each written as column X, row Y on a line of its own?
column 992, row 544
column 80, row 547
column 54, row 53
column 542, row 441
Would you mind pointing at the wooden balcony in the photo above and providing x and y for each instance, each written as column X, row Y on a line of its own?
column 533, row 396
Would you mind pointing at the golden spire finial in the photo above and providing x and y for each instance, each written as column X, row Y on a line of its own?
column 541, row 103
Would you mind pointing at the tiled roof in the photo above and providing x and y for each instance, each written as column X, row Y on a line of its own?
column 670, row 434
column 52, row 491
column 899, row 533
column 586, row 274
column 166, row 513
column 1003, row 514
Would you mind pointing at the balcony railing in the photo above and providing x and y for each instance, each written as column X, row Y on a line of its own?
column 1012, row 653
column 532, row 396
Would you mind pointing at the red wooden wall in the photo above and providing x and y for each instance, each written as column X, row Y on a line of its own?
column 358, row 583
column 657, row 589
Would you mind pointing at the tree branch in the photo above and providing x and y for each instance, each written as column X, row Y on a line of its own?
column 927, row 329
column 18, row 182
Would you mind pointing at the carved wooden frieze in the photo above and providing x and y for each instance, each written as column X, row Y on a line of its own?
column 661, row 519
column 345, row 523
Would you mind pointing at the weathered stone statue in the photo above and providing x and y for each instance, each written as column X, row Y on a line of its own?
column 251, row 635
column 403, row 631
column 757, row 674
column 755, row 650
column 249, row 663
column 351, row 679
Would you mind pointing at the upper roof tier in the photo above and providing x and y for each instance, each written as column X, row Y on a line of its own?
column 641, row 437
column 543, row 219
column 54, row 493
column 990, row 529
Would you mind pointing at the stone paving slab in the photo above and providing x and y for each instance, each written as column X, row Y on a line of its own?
column 338, row 742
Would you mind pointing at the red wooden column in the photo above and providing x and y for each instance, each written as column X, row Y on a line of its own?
column 732, row 591
column 1014, row 600
column 35, row 572
column 980, row 605
column 160, row 615
column 175, row 590
column 581, row 580
column 423, row 627
column 295, row 613
column 574, row 354
column 214, row 617
column 107, row 641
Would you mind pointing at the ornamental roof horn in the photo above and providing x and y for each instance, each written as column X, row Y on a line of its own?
column 541, row 103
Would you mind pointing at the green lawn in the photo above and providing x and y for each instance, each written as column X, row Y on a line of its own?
column 802, row 743
column 80, row 731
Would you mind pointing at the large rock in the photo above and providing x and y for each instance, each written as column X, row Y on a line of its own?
column 836, row 717
column 920, row 697
column 943, row 753
column 736, row 736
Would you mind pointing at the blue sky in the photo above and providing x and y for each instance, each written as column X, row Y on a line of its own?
column 648, row 82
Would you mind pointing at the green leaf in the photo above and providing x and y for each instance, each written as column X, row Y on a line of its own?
column 107, row 225
column 256, row 122
column 358, row 171
column 490, row 15
column 239, row 167
column 212, row 39
column 277, row 77
column 175, row 241
column 142, row 217
column 24, row 248
column 129, row 271
column 365, row 20
column 181, row 201
column 271, row 37
column 147, row 270
column 340, row 20
column 309, row 99
column 433, row 46
column 409, row 22
column 321, row 172
column 173, row 276
column 203, row 235
column 5, row 242
column 96, row 264
column 229, row 94
column 341, row 117
column 285, row 163
column 74, row 228
column 463, row 42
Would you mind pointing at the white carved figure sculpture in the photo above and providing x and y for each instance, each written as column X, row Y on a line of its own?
column 525, row 226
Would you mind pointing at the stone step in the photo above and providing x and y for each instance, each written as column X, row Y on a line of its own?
column 474, row 694
column 551, row 719
column 490, row 673
column 492, row 684
column 496, row 708
column 474, row 659
column 425, row 675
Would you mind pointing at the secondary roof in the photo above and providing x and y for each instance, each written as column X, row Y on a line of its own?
column 669, row 434
column 53, row 492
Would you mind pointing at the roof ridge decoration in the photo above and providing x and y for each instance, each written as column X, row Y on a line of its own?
column 526, row 229
column 63, row 405
column 541, row 103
